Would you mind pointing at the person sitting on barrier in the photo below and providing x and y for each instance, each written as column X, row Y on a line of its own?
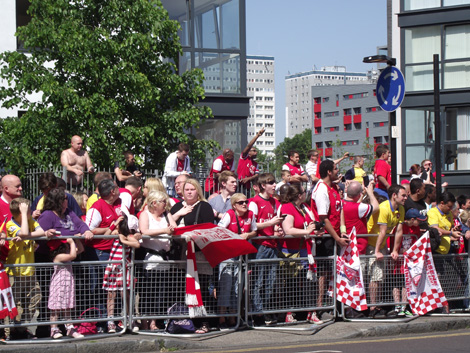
column 264, row 207
column 25, row 287
column 241, row 221
column 411, row 233
column 62, row 287
column 298, row 222
column 114, row 279
column 155, row 287
column 391, row 215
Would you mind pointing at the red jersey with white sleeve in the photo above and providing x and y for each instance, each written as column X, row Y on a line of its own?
column 218, row 166
column 264, row 210
column 101, row 215
column 356, row 214
column 247, row 222
column 300, row 216
column 247, row 168
column 126, row 200
column 294, row 169
column 4, row 211
column 382, row 168
column 326, row 201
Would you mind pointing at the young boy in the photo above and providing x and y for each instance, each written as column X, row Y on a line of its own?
column 411, row 233
column 285, row 174
column 382, row 171
column 25, row 288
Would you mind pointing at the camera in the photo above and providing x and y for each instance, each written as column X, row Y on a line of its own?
column 319, row 225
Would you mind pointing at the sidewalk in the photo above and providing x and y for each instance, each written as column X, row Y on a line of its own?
column 334, row 332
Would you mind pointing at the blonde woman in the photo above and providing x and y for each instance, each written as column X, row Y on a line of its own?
column 154, row 222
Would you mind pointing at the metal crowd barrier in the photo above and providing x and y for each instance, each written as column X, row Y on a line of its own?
column 281, row 284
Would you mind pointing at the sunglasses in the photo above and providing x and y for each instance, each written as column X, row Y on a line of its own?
column 243, row 202
column 271, row 182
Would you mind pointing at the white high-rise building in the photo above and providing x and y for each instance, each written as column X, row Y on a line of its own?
column 299, row 104
column 260, row 89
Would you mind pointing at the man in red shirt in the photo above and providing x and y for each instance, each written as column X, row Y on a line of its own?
column 382, row 171
column 247, row 166
column 297, row 173
column 130, row 193
column 221, row 163
column 264, row 208
column 356, row 213
column 326, row 203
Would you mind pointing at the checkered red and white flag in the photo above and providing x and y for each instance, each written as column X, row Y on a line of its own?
column 349, row 284
column 422, row 284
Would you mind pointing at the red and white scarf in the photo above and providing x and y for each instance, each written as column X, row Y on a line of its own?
column 193, row 290
column 312, row 266
column 7, row 302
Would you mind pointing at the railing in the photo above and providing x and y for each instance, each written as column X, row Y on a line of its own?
column 228, row 290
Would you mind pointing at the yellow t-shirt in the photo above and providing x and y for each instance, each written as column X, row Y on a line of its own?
column 91, row 200
column 40, row 204
column 21, row 252
column 443, row 221
column 387, row 215
column 359, row 174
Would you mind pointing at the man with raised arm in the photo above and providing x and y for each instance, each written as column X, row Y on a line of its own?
column 247, row 166
column 76, row 160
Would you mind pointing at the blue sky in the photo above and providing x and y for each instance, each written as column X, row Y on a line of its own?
column 303, row 33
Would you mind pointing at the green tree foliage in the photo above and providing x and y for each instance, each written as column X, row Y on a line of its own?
column 301, row 143
column 369, row 155
column 106, row 71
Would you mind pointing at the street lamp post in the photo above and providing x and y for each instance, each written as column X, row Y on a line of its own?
column 392, row 116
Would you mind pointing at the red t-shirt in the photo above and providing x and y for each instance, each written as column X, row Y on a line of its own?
column 264, row 210
column 101, row 215
column 382, row 168
column 218, row 166
column 299, row 219
column 4, row 213
column 356, row 215
column 247, row 168
column 332, row 209
column 126, row 200
column 180, row 165
column 295, row 169
column 245, row 221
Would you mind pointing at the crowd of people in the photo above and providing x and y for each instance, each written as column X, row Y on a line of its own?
column 314, row 200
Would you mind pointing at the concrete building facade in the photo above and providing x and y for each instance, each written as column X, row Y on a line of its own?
column 260, row 89
column 298, row 93
column 346, row 117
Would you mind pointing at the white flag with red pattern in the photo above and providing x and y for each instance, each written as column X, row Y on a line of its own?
column 422, row 284
column 349, row 284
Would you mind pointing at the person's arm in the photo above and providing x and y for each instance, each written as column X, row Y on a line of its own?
column 373, row 201
column 121, row 175
column 252, row 142
column 289, row 229
column 129, row 241
column 346, row 155
column 331, row 231
column 88, row 165
column 398, row 238
column 380, row 239
column 170, row 166
column 383, row 180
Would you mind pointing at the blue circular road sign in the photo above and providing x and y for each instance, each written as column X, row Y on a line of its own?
column 390, row 89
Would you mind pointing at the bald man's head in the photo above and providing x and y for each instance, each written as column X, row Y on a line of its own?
column 354, row 189
column 11, row 186
column 77, row 143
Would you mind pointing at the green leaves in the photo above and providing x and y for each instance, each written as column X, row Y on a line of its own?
column 97, row 66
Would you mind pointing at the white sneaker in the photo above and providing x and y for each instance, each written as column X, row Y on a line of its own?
column 314, row 319
column 290, row 318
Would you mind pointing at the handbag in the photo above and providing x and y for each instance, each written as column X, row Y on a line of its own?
column 87, row 328
column 182, row 325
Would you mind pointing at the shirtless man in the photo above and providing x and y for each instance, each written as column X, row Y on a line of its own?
column 76, row 161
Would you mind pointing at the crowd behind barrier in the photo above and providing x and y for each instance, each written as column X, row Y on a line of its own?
column 159, row 286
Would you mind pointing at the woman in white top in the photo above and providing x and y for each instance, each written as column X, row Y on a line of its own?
column 154, row 222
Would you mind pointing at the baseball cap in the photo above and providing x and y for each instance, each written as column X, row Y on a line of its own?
column 414, row 213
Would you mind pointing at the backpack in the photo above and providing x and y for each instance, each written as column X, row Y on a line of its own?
column 182, row 325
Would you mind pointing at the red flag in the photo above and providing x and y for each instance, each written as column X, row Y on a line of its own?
column 217, row 243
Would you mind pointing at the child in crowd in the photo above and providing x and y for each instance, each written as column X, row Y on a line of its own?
column 411, row 233
column 285, row 174
column 62, row 288
column 113, row 276
column 23, row 281
column 82, row 200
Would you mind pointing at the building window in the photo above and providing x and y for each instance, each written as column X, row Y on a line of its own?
column 347, row 111
column 325, row 99
column 347, row 127
column 373, row 109
column 355, row 95
column 331, row 114
column 358, row 126
column 378, row 139
column 332, row 128
column 381, row 124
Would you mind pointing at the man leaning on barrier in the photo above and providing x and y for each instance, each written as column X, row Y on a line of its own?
column 391, row 215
